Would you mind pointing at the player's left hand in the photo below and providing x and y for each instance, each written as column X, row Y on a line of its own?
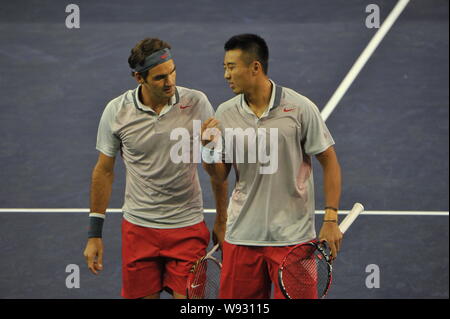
column 331, row 233
column 219, row 233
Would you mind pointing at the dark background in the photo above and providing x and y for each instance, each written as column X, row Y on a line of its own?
column 391, row 127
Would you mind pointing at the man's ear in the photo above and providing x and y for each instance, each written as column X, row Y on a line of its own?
column 138, row 77
column 256, row 67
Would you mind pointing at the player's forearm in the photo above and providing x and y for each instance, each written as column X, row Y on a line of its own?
column 220, row 191
column 217, row 171
column 332, row 187
column 101, row 188
column 331, row 181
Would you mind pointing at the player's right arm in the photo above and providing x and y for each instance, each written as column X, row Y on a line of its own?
column 220, row 191
column 210, row 133
column 218, row 173
column 101, row 188
column 101, row 184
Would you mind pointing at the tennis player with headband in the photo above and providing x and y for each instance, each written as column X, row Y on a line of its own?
column 269, row 212
column 163, row 231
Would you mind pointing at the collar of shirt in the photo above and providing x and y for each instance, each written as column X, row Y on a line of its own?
column 270, row 106
column 173, row 100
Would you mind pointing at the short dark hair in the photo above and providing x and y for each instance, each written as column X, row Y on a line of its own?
column 143, row 49
column 253, row 45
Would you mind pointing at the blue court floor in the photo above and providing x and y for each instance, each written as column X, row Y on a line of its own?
column 391, row 128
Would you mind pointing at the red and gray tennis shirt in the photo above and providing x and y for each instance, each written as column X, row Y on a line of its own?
column 160, row 192
column 272, row 204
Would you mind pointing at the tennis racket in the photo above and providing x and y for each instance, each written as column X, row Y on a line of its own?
column 204, row 277
column 306, row 271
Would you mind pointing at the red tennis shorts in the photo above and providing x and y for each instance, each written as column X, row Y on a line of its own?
column 249, row 271
column 154, row 259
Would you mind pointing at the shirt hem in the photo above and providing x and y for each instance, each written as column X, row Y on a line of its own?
column 197, row 220
column 107, row 152
column 268, row 243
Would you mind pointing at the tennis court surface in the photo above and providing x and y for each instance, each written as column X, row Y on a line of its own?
column 391, row 129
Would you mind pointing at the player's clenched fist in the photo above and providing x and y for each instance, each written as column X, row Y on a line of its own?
column 210, row 132
column 94, row 255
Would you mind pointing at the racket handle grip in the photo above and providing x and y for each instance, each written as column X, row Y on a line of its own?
column 350, row 218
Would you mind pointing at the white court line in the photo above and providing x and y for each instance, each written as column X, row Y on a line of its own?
column 363, row 58
column 213, row 211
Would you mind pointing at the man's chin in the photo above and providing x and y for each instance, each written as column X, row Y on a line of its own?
column 236, row 91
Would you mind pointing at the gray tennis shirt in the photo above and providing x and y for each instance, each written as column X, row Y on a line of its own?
column 161, row 190
column 272, row 203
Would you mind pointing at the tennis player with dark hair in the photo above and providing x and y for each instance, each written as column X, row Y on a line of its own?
column 269, row 210
column 163, row 231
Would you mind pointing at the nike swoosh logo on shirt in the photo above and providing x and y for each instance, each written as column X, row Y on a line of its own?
column 184, row 106
column 287, row 110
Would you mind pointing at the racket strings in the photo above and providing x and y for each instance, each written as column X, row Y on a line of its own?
column 306, row 274
column 206, row 279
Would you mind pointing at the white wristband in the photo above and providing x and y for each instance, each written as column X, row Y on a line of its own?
column 211, row 156
column 97, row 215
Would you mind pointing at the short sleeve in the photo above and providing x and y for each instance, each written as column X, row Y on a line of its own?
column 316, row 137
column 107, row 142
column 227, row 144
column 207, row 110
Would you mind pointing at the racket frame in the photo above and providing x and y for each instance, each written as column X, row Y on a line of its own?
column 320, row 247
column 200, row 261
column 357, row 209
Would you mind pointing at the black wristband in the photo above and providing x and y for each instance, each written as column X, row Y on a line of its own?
column 95, row 227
